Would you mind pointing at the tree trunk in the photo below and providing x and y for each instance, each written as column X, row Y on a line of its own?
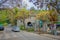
column 24, row 23
column 39, row 30
column 35, row 28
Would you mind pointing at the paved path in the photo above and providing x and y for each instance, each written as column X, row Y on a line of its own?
column 7, row 34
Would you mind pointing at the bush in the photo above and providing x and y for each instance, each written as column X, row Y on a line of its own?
column 30, row 30
column 5, row 24
column 22, row 27
column 58, row 28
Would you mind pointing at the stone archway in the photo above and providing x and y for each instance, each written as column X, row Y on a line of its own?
column 29, row 23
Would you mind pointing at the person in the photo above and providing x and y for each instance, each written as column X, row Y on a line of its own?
column 40, row 23
column 53, row 28
column 55, row 31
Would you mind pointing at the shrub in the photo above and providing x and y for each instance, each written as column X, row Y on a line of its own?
column 5, row 24
column 30, row 30
column 22, row 27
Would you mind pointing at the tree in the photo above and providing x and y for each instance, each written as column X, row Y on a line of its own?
column 22, row 15
column 9, row 14
column 46, row 16
column 55, row 5
column 52, row 3
column 11, row 11
column 12, row 14
column 42, row 15
column 3, row 15
column 43, row 18
column 52, row 16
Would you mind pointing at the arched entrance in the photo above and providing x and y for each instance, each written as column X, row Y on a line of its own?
column 29, row 24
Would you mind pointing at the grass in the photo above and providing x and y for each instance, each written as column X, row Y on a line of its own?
column 22, row 27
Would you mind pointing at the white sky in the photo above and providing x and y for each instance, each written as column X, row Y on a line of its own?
column 29, row 4
column 0, row 0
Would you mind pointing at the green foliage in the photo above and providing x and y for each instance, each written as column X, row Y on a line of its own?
column 57, row 22
column 22, row 27
column 5, row 24
column 30, row 30
column 15, row 10
column 58, row 28
column 3, row 15
column 22, row 14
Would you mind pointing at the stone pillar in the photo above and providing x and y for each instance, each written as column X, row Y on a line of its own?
column 45, row 27
column 18, row 23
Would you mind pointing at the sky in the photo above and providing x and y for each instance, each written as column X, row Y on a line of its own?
column 29, row 4
column 24, row 2
column 0, row 0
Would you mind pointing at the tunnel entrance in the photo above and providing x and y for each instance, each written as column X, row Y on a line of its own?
column 29, row 24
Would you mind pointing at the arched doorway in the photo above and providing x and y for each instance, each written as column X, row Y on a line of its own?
column 29, row 24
